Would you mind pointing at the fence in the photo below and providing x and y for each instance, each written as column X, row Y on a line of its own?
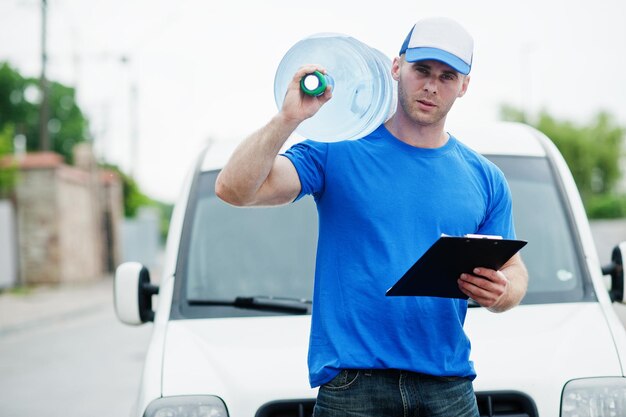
column 8, row 245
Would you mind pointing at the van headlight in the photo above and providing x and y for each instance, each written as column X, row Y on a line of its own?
column 187, row 405
column 590, row 397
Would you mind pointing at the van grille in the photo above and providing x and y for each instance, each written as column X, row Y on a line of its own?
column 490, row 404
column 293, row 408
column 505, row 404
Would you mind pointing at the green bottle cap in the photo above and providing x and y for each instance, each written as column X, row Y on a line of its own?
column 314, row 84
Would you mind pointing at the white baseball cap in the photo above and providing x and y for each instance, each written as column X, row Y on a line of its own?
column 440, row 39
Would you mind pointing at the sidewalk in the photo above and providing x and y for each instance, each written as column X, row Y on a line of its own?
column 46, row 304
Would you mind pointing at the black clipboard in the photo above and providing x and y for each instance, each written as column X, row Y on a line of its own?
column 436, row 273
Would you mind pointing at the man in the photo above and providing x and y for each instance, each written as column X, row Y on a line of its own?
column 382, row 201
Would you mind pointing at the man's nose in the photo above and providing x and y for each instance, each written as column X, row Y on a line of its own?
column 431, row 85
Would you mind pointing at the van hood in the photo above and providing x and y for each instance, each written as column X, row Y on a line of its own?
column 251, row 361
column 247, row 362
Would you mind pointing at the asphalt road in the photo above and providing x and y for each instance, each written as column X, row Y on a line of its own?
column 87, row 364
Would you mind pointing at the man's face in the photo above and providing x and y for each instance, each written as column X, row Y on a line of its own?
column 427, row 89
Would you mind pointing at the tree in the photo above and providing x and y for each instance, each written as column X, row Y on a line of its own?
column 8, row 170
column 592, row 152
column 19, row 114
column 19, row 108
column 134, row 198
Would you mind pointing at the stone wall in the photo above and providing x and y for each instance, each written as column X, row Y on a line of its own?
column 111, row 198
column 64, row 228
column 37, row 214
column 79, row 225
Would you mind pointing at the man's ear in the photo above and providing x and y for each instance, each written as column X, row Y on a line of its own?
column 466, row 80
column 395, row 67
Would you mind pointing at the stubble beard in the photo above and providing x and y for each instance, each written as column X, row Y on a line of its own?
column 410, row 108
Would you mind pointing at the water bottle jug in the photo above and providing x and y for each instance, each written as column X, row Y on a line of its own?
column 364, row 92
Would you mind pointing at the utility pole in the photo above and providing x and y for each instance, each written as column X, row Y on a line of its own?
column 133, row 116
column 134, row 131
column 44, row 109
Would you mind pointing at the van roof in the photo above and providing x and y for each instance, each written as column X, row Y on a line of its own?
column 503, row 138
column 499, row 138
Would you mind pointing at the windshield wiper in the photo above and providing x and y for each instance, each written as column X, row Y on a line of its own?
column 263, row 303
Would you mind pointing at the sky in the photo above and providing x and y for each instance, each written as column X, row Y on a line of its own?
column 174, row 76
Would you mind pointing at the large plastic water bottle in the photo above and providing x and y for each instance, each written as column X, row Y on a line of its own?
column 364, row 92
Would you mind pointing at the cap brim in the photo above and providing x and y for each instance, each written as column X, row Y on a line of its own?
column 423, row 54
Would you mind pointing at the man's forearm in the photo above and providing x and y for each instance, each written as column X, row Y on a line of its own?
column 250, row 165
column 254, row 175
column 517, row 277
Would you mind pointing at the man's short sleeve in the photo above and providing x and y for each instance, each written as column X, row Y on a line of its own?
column 499, row 220
column 309, row 159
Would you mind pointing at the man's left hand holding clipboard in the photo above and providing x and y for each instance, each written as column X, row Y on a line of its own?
column 487, row 269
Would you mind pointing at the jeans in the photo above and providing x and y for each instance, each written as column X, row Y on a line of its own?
column 394, row 393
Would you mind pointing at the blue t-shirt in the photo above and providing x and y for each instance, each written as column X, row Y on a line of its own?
column 381, row 204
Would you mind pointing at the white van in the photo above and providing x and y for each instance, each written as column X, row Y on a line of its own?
column 231, row 328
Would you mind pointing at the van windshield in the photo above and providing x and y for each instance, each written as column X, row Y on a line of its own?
column 542, row 218
column 228, row 253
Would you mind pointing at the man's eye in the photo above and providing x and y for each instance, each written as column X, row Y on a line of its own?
column 448, row 77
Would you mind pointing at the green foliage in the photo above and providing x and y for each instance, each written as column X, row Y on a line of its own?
column 19, row 114
column 8, row 170
column 165, row 214
column 68, row 126
column 606, row 206
column 134, row 199
column 14, row 108
column 19, row 107
column 512, row 114
column 592, row 152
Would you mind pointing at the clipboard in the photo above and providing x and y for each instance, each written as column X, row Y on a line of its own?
column 435, row 274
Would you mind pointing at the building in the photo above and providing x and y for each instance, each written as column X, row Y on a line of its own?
column 67, row 218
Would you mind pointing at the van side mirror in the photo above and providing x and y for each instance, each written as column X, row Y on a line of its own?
column 616, row 270
column 133, row 293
